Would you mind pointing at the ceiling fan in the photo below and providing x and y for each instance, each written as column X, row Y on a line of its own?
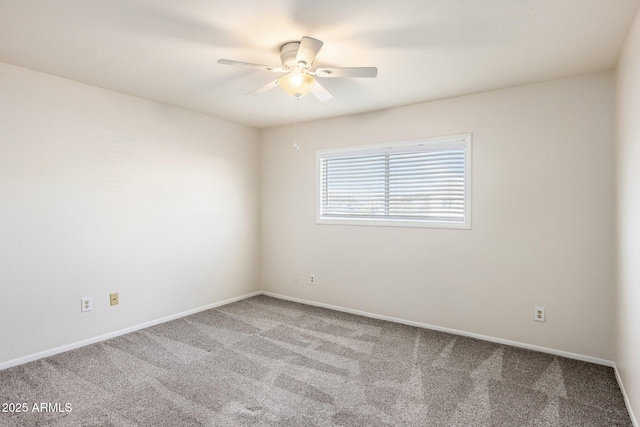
column 297, row 59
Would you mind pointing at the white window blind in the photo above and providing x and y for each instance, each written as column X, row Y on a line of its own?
column 423, row 183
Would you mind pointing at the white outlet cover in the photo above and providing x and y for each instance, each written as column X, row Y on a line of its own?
column 539, row 314
column 86, row 304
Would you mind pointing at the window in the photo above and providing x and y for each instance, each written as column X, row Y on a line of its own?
column 423, row 183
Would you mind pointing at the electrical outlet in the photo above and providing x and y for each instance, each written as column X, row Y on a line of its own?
column 113, row 298
column 538, row 314
column 312, row 279
column 86, row 304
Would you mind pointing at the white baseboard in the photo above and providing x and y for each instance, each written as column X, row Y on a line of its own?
column 451, row 331
column 627, row 402
column 51, row 352
column 72, row 346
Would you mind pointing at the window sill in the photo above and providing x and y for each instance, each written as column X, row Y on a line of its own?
column 394, row 223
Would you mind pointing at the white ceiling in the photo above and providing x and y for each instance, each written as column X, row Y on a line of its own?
column 166, row 50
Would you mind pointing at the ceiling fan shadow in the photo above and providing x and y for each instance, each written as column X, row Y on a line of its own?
column 160, row 21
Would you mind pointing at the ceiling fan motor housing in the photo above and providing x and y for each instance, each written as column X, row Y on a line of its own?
column 288, row 53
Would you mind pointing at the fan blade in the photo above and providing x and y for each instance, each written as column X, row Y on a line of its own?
column 307, row 51
column 320, row 92
column 369, row 72
column 264, row 88
column 250, row 65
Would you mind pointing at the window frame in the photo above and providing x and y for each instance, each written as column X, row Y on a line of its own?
column 442, row 142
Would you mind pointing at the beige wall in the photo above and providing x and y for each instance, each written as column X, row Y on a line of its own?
column 542, row 219
column 628, row 213
column 102, row 192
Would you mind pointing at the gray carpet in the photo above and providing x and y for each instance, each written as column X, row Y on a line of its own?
column 268, row 362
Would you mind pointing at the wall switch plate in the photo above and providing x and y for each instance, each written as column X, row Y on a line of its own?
column 312, row 279
column 86, row 304
column 113, row 298
column 538, row 314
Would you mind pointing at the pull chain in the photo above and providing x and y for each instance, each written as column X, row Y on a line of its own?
column 295, row 125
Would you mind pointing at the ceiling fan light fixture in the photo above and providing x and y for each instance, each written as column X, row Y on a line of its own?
column 297, row 84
